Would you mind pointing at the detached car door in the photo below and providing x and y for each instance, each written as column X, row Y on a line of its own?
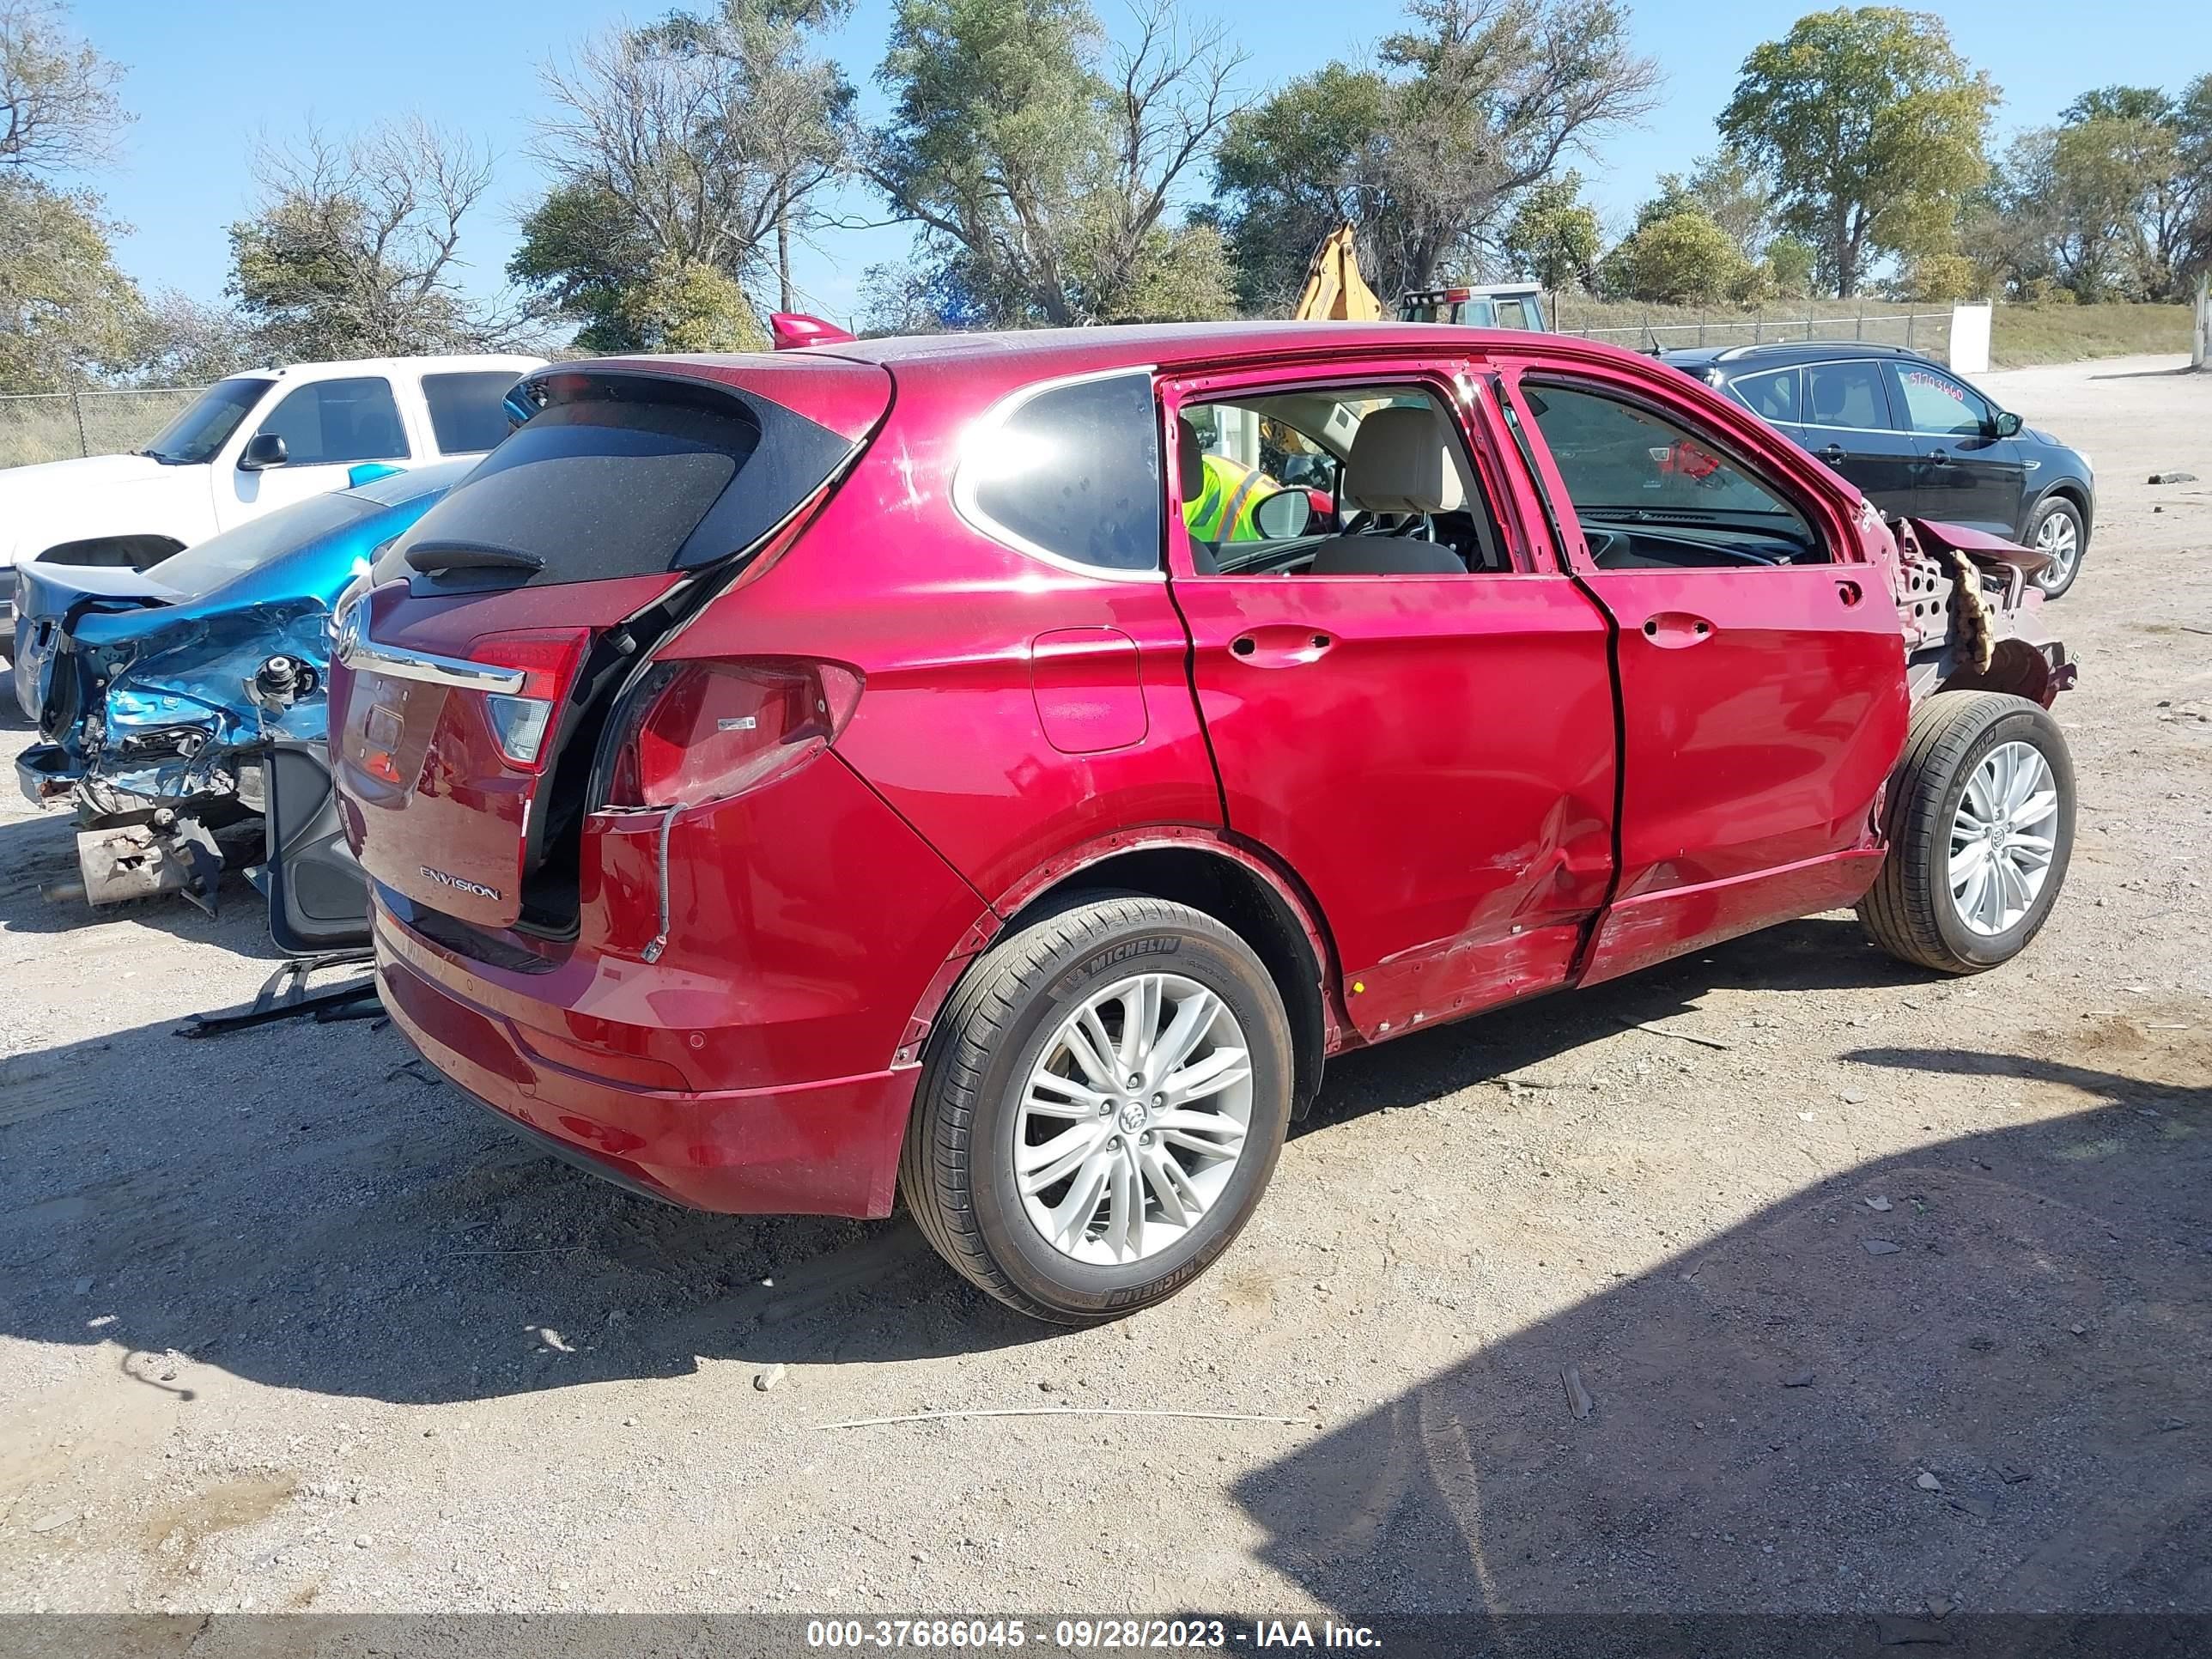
column 1409, row 710
column 1761, row 671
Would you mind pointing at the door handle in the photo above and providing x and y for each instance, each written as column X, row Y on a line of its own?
column 1832, row 455
column 1671, row 630
column 1281, row 644
column 1940, row 457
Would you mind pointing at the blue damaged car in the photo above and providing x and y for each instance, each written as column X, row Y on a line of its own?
column 166, row 700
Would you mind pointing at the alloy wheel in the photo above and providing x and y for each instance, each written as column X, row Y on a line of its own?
column 1133, row 1120
column 2002, row 838
column 2058, row 536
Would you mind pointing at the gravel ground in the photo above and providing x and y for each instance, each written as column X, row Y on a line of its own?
column 287, row 1325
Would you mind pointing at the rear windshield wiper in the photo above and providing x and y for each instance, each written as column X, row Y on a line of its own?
column 427, row 556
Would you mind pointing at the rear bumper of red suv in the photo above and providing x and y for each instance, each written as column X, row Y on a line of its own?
column 819, row 1148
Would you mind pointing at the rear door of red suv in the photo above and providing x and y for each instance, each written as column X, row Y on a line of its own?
column 1761, row 671
column 476, row 668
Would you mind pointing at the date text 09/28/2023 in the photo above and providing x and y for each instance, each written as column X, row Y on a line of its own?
column 1090, row 1634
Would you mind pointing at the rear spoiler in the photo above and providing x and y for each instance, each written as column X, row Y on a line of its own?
column 793, row 329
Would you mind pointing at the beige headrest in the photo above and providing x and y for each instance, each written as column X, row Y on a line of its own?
column 1405, row 459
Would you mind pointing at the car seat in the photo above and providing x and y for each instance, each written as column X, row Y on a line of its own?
column 1405, row 460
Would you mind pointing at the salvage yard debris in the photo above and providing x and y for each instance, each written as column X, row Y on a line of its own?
column 1578, row 1398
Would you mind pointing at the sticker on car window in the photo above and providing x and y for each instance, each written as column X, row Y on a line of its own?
column 1921, row 377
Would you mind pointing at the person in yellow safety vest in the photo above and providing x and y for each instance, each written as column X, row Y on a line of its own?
column 1223, row 511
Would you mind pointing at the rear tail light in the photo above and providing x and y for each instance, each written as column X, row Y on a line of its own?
column 688, row 733
column 548, row 659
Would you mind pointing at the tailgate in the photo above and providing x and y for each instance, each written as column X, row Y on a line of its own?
column 442, row 812
column 472, row 677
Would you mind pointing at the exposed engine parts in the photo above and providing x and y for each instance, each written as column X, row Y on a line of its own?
column 282, row 681
column 1970, row 622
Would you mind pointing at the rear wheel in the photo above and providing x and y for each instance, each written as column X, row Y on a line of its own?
column 1980, row 823
column 2058, row 531
column 1104, row 1100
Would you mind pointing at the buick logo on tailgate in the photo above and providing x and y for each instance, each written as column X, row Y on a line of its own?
column 345, row 633
column 459, row 885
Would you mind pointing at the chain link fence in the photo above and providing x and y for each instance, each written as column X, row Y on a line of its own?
column 56, row 426
column 1675, row 328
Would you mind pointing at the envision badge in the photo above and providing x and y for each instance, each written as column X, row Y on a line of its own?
column 459, row 885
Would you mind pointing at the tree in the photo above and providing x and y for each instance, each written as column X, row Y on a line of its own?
column 2114, row 202
column 1291, row 168
column 1789, row 266
column 59, row 111
column 1554, row 235
column 688, row 305
column 583, row 249
column 1943, row 278
column 911, row 297
column 1872, row 128
column 182, row 342
column 1729, row 191
column 2143, row 160
column 2192, row 126
column 705, row 141
column 1475, row 103
column 354, row 250
column 1038, row 161
column 1180, row 275
column 65, row 310
column 1681, row 257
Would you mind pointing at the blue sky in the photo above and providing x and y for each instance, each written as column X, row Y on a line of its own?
column 206, row 79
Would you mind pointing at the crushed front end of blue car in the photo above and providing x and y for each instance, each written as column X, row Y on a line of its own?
column 155, row 713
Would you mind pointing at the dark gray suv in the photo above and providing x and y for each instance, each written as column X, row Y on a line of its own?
column 1917, row 439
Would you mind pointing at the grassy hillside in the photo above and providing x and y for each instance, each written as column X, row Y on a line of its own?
column 2022, row 335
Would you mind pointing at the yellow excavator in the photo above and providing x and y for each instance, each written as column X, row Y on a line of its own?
column 1335, row 290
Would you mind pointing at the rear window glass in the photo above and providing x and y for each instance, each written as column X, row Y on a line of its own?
column 1074, row 473
column 596, row 489
column 219, row 559
column 1774, row 396
column 466, row 415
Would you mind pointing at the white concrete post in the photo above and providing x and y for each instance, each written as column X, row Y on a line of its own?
column 2200, row 347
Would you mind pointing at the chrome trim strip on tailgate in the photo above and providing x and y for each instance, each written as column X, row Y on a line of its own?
column 357, row 651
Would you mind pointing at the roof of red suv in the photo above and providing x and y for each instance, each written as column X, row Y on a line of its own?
column 1051, row 351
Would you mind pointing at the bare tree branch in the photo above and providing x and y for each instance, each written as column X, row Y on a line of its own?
column 58, row 112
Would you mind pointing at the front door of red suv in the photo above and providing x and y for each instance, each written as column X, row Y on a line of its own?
column 1762, row 683
column 1406, row 708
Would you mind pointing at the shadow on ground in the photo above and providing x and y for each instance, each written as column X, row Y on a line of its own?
column 2027, row 1322
column 363, row 1230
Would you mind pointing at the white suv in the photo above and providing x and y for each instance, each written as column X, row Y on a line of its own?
column 247, row 444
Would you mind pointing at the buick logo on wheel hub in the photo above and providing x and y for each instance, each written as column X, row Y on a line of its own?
column 1133, row 1116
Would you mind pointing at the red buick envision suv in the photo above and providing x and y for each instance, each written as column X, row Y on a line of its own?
column 792, row 781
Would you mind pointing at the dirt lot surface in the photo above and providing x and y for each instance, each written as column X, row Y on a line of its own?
column 285, row 1325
